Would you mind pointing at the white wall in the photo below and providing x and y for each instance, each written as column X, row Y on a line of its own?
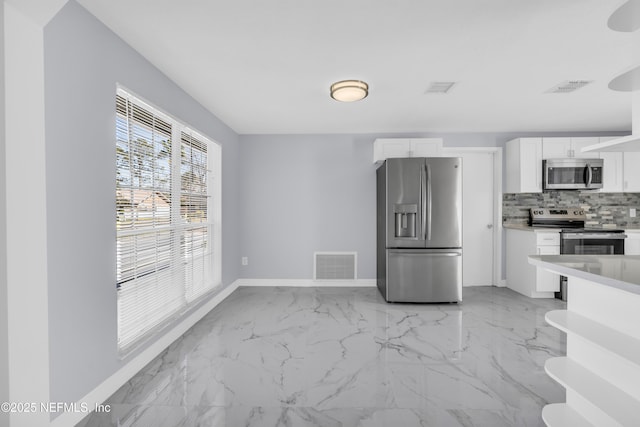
column 83, row 62
column 4, row 338
column 26, row 232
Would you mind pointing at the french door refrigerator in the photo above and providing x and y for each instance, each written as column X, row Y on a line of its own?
column 419, row 229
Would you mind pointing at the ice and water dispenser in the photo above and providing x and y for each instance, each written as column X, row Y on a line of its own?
column 405, row 220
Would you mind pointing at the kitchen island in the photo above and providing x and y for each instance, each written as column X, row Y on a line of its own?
column 601, row 372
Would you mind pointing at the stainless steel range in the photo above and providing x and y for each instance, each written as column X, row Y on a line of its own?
column 575, row 239
column 557, row 217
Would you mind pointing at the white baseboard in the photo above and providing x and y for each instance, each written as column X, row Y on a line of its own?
column 101, row 393
column 307, row 283
column 502, row 283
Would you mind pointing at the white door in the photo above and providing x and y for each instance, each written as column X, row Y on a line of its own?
column 478, row 201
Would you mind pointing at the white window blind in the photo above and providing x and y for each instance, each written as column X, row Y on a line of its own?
column 167, row 217
column 194, row 207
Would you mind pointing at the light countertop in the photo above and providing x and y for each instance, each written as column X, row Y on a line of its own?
column 525, row 227
column 616, row 271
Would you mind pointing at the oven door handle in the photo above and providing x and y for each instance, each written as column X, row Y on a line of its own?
column 598, row 236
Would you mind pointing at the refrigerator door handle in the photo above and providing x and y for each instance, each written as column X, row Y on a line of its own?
column 431, row 254
column 428, row 215
column 423, row 203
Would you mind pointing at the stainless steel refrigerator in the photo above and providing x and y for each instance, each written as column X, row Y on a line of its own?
column 419, row 229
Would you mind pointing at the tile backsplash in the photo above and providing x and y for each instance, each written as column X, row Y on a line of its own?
column 602, row 209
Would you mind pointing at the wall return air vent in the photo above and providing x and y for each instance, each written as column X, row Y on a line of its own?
column 569, row 86
column 334, row 265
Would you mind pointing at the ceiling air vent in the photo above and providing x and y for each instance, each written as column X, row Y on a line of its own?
column 569, row 86
column 440, row 87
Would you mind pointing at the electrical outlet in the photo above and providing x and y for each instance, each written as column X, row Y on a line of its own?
column 245, row 260
column 632, row 212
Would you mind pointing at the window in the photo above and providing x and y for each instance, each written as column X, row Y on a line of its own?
column 167, row 217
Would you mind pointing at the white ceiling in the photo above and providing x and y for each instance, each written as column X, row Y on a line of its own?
column 266, row 66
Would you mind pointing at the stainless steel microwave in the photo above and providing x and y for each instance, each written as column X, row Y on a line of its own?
column 572, row 174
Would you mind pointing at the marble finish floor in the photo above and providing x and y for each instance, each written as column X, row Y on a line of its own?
column 344, row 357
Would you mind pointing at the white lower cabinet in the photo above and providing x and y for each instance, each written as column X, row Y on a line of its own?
column 545, row 280
column 632, row 242
column 523, row 277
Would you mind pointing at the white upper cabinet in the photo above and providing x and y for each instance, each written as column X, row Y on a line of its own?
column 621, row 170
column 631, row 172
column 524, row 165
column 577, row 144
column 426, row 147
column 386, row 148
column 556, row 148
column 561, row 148
column 612, row 177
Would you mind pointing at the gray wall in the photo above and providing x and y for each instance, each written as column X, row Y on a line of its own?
column 83, row 62
column 4, row 338
column 306, row 193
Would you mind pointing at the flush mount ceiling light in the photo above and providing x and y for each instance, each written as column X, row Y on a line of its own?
column 349, row 90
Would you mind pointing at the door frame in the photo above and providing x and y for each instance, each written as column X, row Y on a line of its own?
column 497, row 203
